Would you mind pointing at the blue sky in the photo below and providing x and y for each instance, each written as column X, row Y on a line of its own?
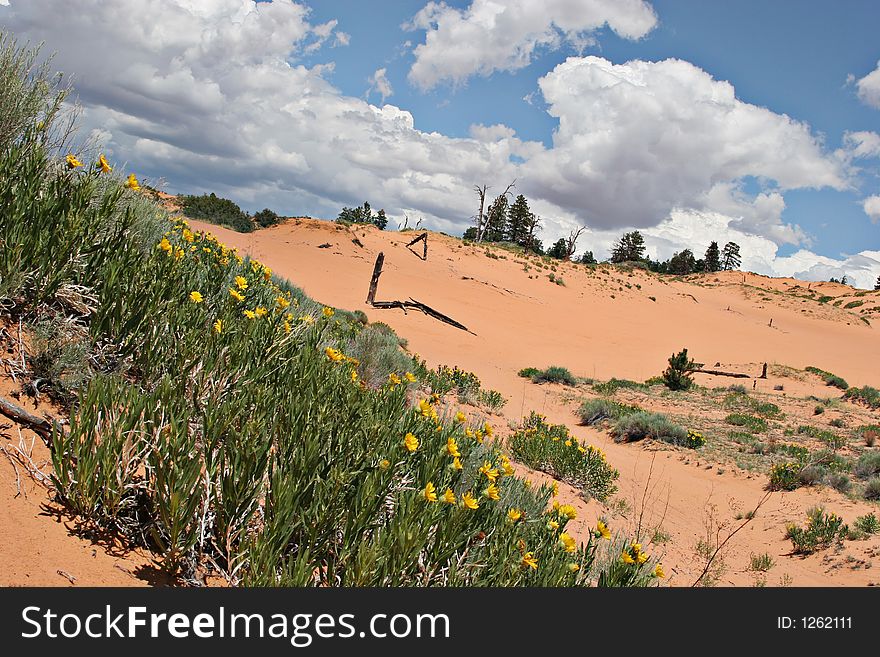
column 766, row 130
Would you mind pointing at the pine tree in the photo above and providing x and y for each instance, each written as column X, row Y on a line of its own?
column 682, row 262
column 630, row 247
column 730, row 258
column 588, row 259
column 677, row 375
column 559, row 250
column 712, row 257
column 496, row 220
column 518, row 218
column 877, row 284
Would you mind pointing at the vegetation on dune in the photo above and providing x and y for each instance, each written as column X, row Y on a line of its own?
column 677, row 375
column 552, row 449
column 864, row 395
column 222, row 418
column 829, row 378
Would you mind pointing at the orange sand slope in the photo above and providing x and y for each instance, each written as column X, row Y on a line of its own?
column 604, row 324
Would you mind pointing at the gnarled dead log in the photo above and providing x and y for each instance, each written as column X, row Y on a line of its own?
column 421, row 238
column 38, row 425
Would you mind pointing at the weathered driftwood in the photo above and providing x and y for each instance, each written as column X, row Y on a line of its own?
column 735, row 375
column 423, row 238
column 38, row 425
column 374, row 281
column 404, row 305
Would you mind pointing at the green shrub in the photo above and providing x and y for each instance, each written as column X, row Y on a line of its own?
column 266, row 218
column 491, row 399
column 818, row 410
column 785, row 476
column 752, row 423
column 829, row 378
column 677, row 375
column 824, row 299
column 613, row 385
column 872, row 489
column 761, row 563
column 528, row 372
column 641, row 424
column 593, row 411
column 868, row 524
column 866, row 395
column 839, row 481
column 552, row 449
column 868, row 465
column 555, row 374
column 820, row 532
column 854, row 304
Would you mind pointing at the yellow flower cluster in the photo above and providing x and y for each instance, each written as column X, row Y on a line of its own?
column 634, row 554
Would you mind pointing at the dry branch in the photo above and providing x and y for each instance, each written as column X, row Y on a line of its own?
column 735, row 375
column 36, row 424
column 424, row 239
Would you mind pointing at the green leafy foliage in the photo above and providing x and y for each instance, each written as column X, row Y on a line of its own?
column 829, row 378
column 216, row 210
column 821, row 531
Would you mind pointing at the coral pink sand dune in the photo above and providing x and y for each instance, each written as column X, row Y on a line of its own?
column 602, row 325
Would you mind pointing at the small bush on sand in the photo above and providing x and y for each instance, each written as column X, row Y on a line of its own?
column 593, row 411
column 872, row 489
column 866, row 395
column 677, row 375
column 552, row 449
column 528, row 372
column 821, row 531
column 829, row 378
column 555, row 374
column 868, row 465
column 640, row 425
column 868, row 524
column 761, row 563
column 785, row 476
column 613, row 385
column 750, row 422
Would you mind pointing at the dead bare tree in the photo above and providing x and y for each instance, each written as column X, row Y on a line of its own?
column 533, row 225
column 479, row 218
column 571, row 242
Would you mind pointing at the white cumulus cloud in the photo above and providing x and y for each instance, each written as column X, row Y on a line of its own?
column 868, row 88
column 871, row 206
column 380, row 84
column 491, row 36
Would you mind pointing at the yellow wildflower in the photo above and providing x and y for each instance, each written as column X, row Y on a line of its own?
column 555, row 487
column 178, row 253
column 487, row 429
column 165, row 245
column 573, row 567
column 267, row 274
column 507, row 468
column 603, row 531
column 567, row 542
column 132, row 183
column 429, row 492
column 553, row 525
column 452, row 447
column 449, row 496
column 568, row 511
column 478, row 435
column 529, row 561
column 492, row 492
column 259, row 311
column 287, row 327
column 460, row 417
column 196, row 297
column 241, row 282
column 72, row 162
column 469, row 433
column 658, row 571
column 384, row 464
column 456, row 463
column 281, row 302
column 354, row 376
column 411, row 442
column 470, row 501
column 490, row 472
column 641, row 557
column 327, row 312
column 308, row 319
column 514, row 514
column 235, row 294
column 626, row 557
column 218, row 326
column 334, row 354
column 410, row 377
column 103, row 165
column 250, row 314
column 393, row 379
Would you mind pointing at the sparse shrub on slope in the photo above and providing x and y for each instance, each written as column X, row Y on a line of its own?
column 593, row 411
column 821, row 531
column 552, row 449
column 641, row 425
column 829, row 378
column 555, row 374
column 865, row 395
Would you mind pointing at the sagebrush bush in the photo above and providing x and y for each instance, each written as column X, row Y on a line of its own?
column 872, row 489
column 868, row 465
column 593, row 411
column 613, row 385
column 555, row 374
column 865, row 395
column 750, row 422
column 829, row 378
column 552, row 449
column 642, row 424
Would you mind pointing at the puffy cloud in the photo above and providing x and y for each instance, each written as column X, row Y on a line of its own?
column 863, row 144
column 489, row 35
column 639, row 139
column 871, row 206
column 869, row 88
column 861, row 269
column 380, row 83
